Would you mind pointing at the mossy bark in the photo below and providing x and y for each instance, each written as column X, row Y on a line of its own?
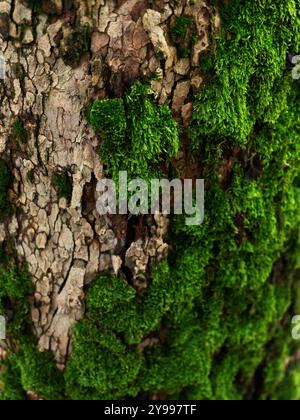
column 129, row 307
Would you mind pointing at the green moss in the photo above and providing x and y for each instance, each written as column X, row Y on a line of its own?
column 19, row 71
column 137, row 134
column 30, row 370
column 215, row 319
column 77, row 44
column 35, row 5
column 38, row 372
column 62, row 182
column 250, row 63
column 289, row 388
column 15, row 286
column 101, row 365
column 19, row 132
column 10, row 383
column 183, row 34
column 30, row 175
column 108, row 292
column 207, row 63
column 6, row 179
column 108, row 119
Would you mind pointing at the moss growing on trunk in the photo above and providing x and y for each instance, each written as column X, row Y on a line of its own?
column 183, row 34
column 220, row 302
column 25, row 368
column 62, row 182
column 215, row 321
column 19, row 131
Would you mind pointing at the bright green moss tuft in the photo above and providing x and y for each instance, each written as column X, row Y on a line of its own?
column 101, row 365
column 25, row 368
column 30, row 175
column 15, row 287
column 215, row 319
column 35, row 5
column 11, row 388
column 289, row 388
column 109, row 292
column 30, row 370
column 38, row 372
column 250, row 64
column 19, row 72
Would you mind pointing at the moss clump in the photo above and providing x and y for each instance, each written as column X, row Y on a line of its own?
column 95, row 372
column 15, row 288
column 183, row 35
column 207, row 63
column 137, row 134
column 77, row 44
column 35, row 5
column 215, row 320
column 10, row 384
column 30, row 175
column 19, row 71
column 27, row 369
column 6, row 179
column 289, row 388
column 108, row 119
column 19, row 132
column 22, row 28
column 250, row 63
column 62, row 182
column 37, row 371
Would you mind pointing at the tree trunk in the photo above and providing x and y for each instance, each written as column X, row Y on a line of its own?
column 223, row 294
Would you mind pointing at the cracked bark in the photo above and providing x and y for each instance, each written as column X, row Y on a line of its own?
column 66, row 245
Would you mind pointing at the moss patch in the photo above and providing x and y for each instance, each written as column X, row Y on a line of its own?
column 183, row 34
column 215, row 320
column 220, row 308
column 6, row 179
column 19, row 71
column 25, row 368
column 19, row 131
column 77, row 44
